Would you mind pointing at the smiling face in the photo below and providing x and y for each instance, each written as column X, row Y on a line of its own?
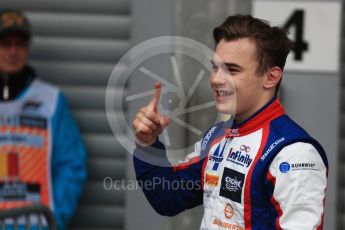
column 14, row 50
column 237, row 86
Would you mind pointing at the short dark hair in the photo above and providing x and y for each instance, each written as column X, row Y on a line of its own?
column 272, row 43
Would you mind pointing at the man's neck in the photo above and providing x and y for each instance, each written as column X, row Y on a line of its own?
column 12, row 85
column 241, row 118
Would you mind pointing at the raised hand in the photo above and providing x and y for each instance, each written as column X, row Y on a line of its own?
column 149, row 123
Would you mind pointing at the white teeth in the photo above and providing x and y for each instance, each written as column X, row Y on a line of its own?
column 223, row 93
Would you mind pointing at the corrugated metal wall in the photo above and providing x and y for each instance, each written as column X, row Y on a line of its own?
column 75, row 46
column 341, row 171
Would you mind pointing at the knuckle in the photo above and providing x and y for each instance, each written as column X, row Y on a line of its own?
column 149, row 114
column 143, row 110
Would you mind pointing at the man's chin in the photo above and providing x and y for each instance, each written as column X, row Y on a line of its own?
column 11, row 70
column 229, row 110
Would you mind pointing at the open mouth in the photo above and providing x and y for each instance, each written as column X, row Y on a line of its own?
column 224, row 93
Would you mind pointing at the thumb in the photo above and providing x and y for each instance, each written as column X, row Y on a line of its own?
column 155, row 98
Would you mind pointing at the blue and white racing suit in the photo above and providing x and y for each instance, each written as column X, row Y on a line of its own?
column 266, row 173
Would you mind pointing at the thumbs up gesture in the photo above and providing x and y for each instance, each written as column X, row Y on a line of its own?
column 149, row 123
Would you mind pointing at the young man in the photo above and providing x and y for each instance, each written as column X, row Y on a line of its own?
column 42, row 158
column 261, row 172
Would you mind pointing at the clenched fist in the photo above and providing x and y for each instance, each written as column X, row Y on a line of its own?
column 149, row 123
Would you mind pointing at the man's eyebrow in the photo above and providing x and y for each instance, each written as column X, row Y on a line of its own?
column 228, row 65
column 232, row 65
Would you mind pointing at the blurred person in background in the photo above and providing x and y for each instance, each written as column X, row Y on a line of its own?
column 259, row 171
column 42, row 157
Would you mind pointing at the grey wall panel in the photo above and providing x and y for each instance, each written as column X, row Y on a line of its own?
column 341, row 171
column 98, row 228
column 91, row 121
column 77, row 49
column 342, row 67
column 342, row 123
column 90, row 98
column 341, row 147
column 341, row 179
column 97, row 216
column 342, row 96
column 98, row 169
column 103, row 145
column 75, row 6
column 74, row 73
column 341, row 220
column 109, row 196
column 341, row 195
column 80, row 25
column 85, row 98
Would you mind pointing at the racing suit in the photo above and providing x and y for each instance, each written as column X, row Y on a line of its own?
column 42, row 157
column 266, row 173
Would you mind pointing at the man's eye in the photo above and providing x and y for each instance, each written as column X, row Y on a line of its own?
column 214, row 68
column 5, row 43
column 232, row 71
column 19, row 43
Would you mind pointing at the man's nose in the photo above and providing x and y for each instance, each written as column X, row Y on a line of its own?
column 218, row 77
column 13, row 48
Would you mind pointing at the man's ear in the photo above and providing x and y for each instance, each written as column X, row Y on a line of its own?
column 272, row 77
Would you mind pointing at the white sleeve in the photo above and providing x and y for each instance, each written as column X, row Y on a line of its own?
column 189, row 158
column 300, row 182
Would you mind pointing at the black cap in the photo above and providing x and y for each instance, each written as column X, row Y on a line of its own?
column 14, row 21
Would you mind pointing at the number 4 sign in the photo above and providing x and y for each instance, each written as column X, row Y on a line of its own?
column 314, row 27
